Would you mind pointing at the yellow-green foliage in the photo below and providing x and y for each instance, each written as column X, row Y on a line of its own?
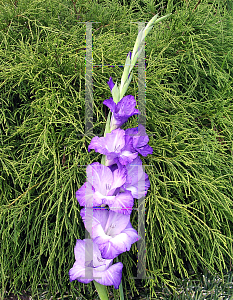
column 43, row 154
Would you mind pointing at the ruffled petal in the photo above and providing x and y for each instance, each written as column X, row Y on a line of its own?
column 110, row 104
column 123, row 203
column 77, row 272
column 116, row 223
column 97, row 143
column 144, row 151
column 119, row 244
column 111, row 247
column 112, row 276
column 126, row 157
column 134, row 171
column 126, row 107
column 95, row 220
column 85, row 194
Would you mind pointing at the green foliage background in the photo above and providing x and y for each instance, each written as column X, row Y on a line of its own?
column 43, row 153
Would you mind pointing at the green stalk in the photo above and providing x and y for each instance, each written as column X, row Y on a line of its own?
column 102, row 290
column 121, row 287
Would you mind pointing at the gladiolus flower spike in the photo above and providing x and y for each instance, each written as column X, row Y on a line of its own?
column 115, row 182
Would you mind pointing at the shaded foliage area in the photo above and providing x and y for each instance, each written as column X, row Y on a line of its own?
column 43, row 150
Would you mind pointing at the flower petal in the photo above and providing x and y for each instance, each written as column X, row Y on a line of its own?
column 123, row 203
column 119, row 178
column 97, row 144
column 124, row 109
column 126, row 157
column 111, row 83
column 115, row 141
column 112, row 276
column 85, row 194
column 110, row 104
column 95, row 220
column 118, row 244
column 78, row 271
column 144, row 151
column 100, row 177
column 97, row 268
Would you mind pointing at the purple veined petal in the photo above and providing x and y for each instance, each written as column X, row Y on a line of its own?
column 140, row 141
column 129, row 54
column 110, row 104
column 108, row 274
column 95, row 220
column 124, row 109
column 115, row 141
column 112, row 223
column 123, row 203
column 119, row 178
column 134, row 171
column 111, row 83
column 100, row 177
column 85, row 194
column 111, row 247
column 78, row 271
column 116, row 223
column 126, row 106
column 107, row 249
column 109, row 145
column 126, row 157
column 144, row 151
column 98, row 144
column 119, row 244
column 112, row 276
column 96, row 261
column 137, row 181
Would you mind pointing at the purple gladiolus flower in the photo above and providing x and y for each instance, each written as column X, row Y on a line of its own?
column 114, row 147
column 101, row 187
column 111, row 231
column 122, row 146
column 124, row 109
column 96, row 267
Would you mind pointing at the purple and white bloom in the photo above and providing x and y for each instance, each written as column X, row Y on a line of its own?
column 96, row 266
column 114, row 147
column 111, row 231
column 101, row 186
column 122, row 146
column 124, row 109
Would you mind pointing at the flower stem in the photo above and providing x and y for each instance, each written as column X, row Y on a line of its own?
column 102, row 291
column 121, row 287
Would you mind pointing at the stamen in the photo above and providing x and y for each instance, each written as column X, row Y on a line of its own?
column 108, row 186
